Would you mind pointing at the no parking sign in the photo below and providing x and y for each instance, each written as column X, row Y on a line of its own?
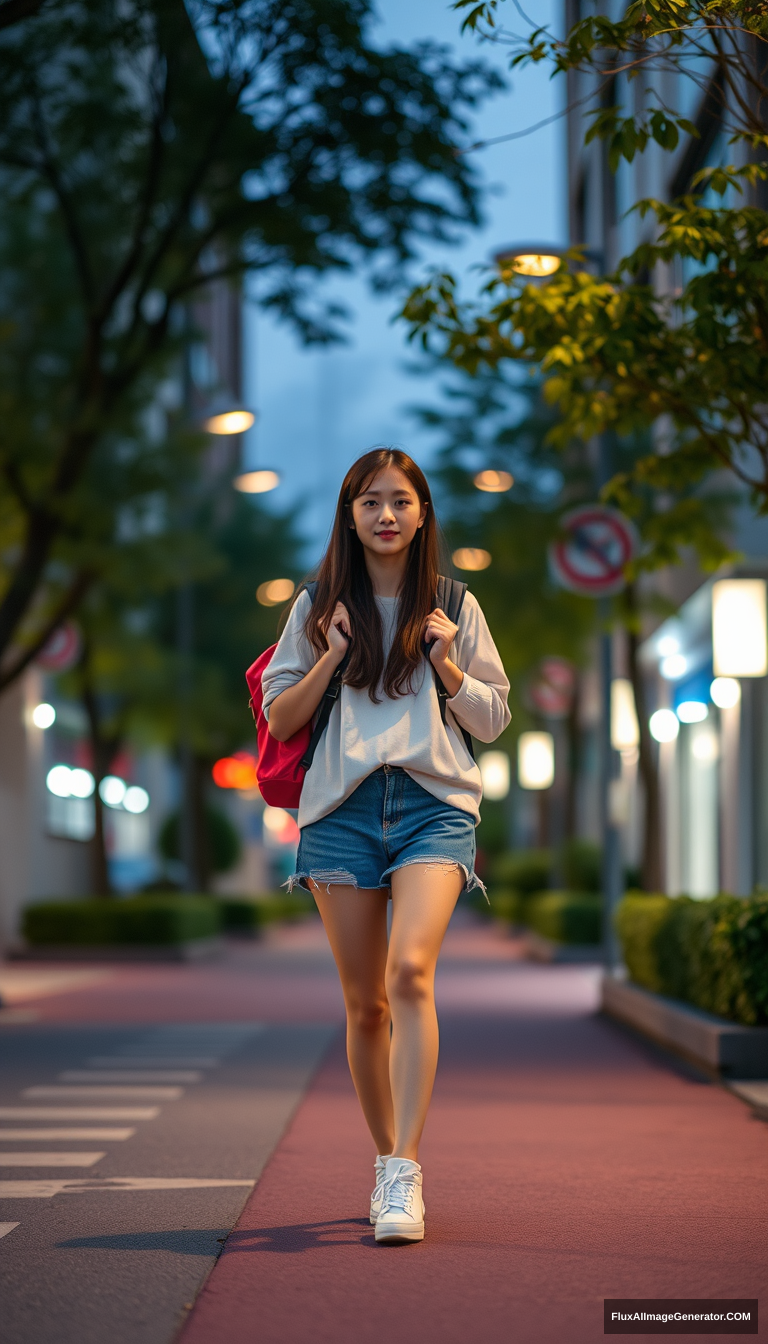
column 595, row 546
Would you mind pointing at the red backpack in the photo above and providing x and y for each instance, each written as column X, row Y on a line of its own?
column 282, row 765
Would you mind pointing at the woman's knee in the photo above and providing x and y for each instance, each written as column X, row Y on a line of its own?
column 409, row 979
column 367, row 1013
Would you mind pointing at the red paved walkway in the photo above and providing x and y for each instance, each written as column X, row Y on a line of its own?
column 564, row 1163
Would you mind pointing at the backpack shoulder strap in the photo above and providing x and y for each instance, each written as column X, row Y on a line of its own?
column 450, row 598
column 329, row 699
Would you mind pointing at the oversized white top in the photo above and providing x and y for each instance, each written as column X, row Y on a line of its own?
column 407, row 731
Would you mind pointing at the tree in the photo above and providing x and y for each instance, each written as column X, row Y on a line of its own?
column 130, row 677
column 620, row 352
column 146, row 150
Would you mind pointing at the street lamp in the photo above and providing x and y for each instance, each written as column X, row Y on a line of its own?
column 540, row 261
column 537, row 260
column 227, row 417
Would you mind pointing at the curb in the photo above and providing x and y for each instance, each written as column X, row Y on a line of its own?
column 196, row 949
column 732, row 1050
column 538, row 948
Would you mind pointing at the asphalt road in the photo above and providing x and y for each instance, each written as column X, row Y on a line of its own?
column 126, row 1157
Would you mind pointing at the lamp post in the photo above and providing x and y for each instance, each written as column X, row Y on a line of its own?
column 539, row 261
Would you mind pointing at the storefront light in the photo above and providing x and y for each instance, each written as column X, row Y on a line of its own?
column 674, row 667
column 81, row 783
column 625, row 730
column 136, row 799
column 535, row 760
column 664, row 725
column 494, row 772
column 725, row 692
column 705, row 747
column 112, row 790
column 739, row 634
column 57, row 781
column 44, row 716
column 667, row 645
column 692, row 711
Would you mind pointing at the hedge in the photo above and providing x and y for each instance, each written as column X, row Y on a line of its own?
column 711, row 953
column 565, row 916
column 149, row 921
column 249, row 916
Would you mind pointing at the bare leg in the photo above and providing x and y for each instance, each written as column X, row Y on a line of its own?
column 423, row 900
column 356, row 924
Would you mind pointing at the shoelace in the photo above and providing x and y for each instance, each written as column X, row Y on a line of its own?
column 399, row 1191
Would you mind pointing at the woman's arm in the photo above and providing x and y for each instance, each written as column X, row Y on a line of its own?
column 295, row 706
column 479, row 703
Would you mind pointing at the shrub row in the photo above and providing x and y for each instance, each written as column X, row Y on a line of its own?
column 564, row 916
column 711, row 953
column 152, row 921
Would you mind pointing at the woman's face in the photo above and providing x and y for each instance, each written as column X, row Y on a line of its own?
column 388, row 514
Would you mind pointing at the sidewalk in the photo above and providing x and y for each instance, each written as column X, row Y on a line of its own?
column 564, row 1163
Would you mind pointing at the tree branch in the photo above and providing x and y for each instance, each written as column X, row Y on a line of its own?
column 14, row 11
column 68, row 603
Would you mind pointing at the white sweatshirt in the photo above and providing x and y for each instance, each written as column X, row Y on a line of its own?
column 407, row 731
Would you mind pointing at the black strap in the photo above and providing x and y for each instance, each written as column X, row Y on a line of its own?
column 329, row 699
column 450, row 599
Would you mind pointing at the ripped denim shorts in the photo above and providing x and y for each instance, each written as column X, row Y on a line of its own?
column 388, row 822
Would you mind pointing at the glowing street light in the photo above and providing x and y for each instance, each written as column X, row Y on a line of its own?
column 256, row 482
column 471, row 557
column 494, row 482
column 725, row 692
column 494, row 772
column 136, row 799
column 535, row 760
column 537, row 260
column 664, row 725
column 43, row 716
column 692, row 711
column 275, row 591
column 112, row 790
column 234, row 421
column 739, row 635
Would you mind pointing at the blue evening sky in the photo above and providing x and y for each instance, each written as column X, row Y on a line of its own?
column 319, row 409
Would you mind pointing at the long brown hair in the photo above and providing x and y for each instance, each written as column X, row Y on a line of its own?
column 343, row 577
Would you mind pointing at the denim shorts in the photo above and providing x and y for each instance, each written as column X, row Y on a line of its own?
column 388, row 822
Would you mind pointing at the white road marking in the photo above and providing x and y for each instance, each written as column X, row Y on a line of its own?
column 5, row 1228
column 130, row 1076
column 79, row 1112
column 47, row 1189
column 56, row 1091
column 153, row 1062
column 50, row 1159
column 73, row 1135
column 18, row 982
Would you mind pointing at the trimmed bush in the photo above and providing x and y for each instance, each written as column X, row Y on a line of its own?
column 565, row 916
column 224, row 844
column 711, row 953
column 522, row 870
column 149, row 921
column 504, row 905
column 249, row 916
column 581, row 862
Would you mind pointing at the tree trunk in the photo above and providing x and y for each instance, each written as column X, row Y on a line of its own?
column 103, row 750
column 651, row 866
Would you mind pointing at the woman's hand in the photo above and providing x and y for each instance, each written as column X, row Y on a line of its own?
column 440, row 633
column 443, row 632
column 338, row 632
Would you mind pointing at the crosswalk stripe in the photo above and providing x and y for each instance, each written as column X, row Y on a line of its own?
column 153, row 1062
column 47, row 1189
column 5, row 1228
column 50, row 1159
column 130, row 1076
column 70, row 1135
column 79, row 1112
column 136, row 1090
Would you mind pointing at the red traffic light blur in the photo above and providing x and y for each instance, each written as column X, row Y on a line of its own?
column 236, row 772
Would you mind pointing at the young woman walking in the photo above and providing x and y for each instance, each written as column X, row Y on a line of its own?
column 390, row 803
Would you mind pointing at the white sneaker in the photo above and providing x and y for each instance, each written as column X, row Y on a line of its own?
column 402, row 1207
column 378, row 1189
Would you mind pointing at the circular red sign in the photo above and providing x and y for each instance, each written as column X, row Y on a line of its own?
column 591, row 555
column 62, row 650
